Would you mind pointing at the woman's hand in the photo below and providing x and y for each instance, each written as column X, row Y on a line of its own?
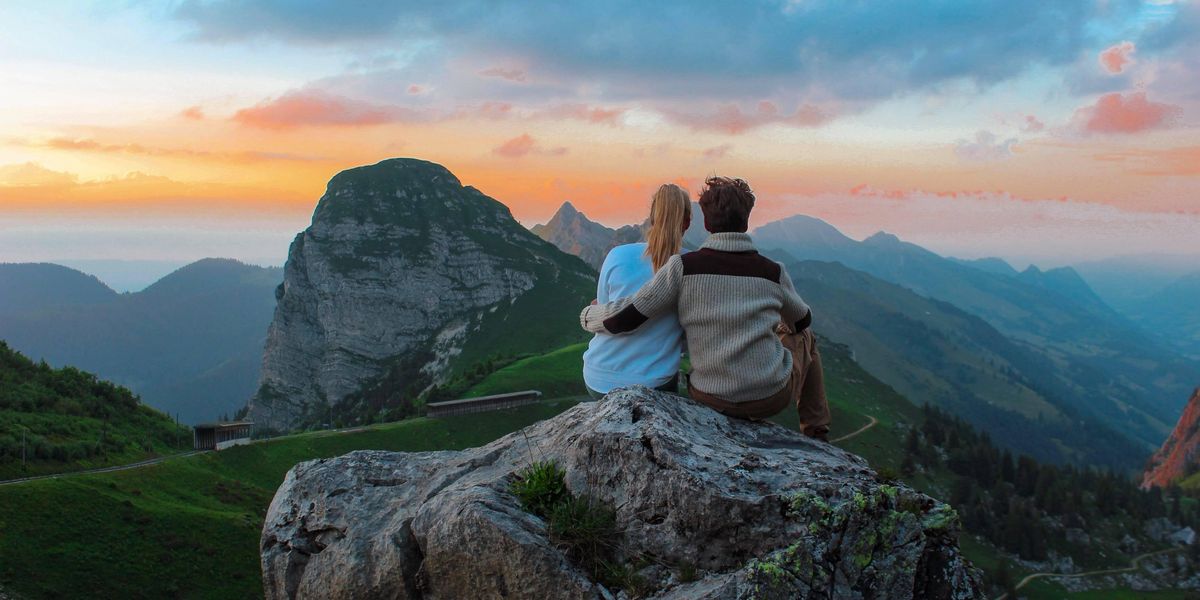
column 595, row 302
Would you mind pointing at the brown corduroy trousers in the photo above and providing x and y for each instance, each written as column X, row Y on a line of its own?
column 805, row 389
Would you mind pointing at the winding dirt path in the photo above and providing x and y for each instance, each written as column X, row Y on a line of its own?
column 155, row 461
column 856, row 432
column 143, row 463
column 1134, row 565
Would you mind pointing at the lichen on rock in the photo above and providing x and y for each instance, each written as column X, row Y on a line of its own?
column 746, row 509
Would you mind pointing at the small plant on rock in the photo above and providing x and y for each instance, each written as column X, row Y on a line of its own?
column 541, row 487
column 585, row 529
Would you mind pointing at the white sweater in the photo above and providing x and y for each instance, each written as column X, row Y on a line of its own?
column 648, row 357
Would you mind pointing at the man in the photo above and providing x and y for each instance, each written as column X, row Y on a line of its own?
column 747, row 329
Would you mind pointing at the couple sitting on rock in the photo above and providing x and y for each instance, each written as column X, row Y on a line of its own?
column 736, row 311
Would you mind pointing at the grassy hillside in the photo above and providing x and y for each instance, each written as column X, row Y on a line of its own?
column 66, row 420
column 555, row 374
column 189, row 527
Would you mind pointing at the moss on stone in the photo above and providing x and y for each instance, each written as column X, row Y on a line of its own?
column 941, row 519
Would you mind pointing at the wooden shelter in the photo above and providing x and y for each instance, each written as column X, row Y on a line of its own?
column 481, row 404
column 218, row 436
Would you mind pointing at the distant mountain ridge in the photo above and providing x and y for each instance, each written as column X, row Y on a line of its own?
column 572, row 232
column 405, row 277
column 1133, row 383
column 1173, row 314
column 190, row 344
column 26, row 287
column 934, row 352
column 1032, row 351
column 1067, row 282
column 998, row 266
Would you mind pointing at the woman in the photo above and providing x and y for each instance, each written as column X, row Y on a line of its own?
column 649, row 357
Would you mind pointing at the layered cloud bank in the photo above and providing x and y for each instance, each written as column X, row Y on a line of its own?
column 215, row 108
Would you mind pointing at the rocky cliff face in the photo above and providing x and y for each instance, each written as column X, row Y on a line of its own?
column 1181, row 450
column 706, row 507
column 403, row 274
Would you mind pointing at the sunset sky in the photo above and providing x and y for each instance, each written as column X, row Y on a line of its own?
column 1045, row 131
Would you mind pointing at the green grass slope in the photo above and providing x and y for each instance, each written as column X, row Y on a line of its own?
column 555, row 374
column 67, row 420
column 854, row 396
column 189, row 527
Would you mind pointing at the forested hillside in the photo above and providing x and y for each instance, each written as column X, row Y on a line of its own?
column 67, row 419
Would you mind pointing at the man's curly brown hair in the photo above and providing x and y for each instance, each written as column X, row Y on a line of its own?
column 726, row 203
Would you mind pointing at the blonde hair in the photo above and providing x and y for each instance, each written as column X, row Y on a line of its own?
column 671, row 207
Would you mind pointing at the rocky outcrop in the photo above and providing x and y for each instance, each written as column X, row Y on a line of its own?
column 1180, row 451
column 706, row 506
column 401, row 271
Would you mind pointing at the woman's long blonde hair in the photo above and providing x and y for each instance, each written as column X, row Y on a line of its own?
column 670, row 211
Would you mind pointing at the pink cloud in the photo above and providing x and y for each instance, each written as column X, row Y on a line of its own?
column 415, row 89
column 91, row 145
column 509, row 74
column 730, row 118
column 316, row 108
column 717, row 152
column 516, row 147
column 1115, row 58
column 523, row 145
column 591, row 114
column 193, row 113
column 1032, row 124
column 1118, row 113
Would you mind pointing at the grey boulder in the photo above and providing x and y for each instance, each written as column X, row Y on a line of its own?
column 709, row 507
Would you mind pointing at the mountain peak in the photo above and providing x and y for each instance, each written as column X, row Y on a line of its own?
column 1066, row 282
column 883, row 238
column 567, row 209
column 211, row 274
column 399, row 190
column 805, row 237
column 424, row 270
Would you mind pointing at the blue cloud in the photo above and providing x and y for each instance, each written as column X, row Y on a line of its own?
column 847, row 50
